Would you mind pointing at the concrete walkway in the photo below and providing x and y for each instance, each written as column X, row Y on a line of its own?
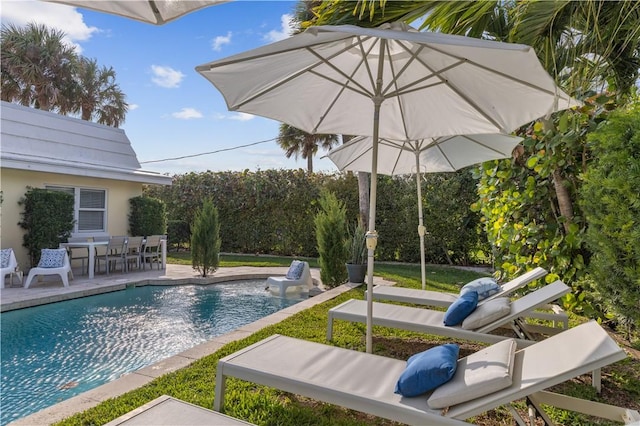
column 51, row 290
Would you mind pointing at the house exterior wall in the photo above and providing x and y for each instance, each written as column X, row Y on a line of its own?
column 14, row 183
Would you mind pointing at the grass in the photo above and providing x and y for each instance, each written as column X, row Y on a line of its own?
column 266, row 406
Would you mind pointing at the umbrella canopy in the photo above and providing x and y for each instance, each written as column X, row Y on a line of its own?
column 156, row 12
column 443, row 154
column 392, row 82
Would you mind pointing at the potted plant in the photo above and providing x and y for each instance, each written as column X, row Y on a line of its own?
column 357, row 250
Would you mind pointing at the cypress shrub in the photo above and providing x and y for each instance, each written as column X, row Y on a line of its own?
column 611, row 204
column 47, row 219
column 331, row 231
column 205, row 239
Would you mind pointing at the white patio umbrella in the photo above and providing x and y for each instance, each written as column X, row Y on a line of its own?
column 156, row 12
column 392, row 82
column 443, row 154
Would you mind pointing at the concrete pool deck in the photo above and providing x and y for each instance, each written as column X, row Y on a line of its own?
column 51, row 290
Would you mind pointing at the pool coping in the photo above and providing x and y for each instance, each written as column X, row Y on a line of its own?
column 174, row 275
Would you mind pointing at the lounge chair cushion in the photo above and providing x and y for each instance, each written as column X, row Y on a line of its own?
column 487, row 313
column 427, row 370
column 295, row 270
column 485, row 287
column 481, row 373
column 52, row 258
column 461, row 308
column 5, row 255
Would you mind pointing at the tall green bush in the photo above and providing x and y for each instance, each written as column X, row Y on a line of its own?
column 331, row 231
column 147, row 216
column 47, row 218
column 610, row 199
column 205, row 239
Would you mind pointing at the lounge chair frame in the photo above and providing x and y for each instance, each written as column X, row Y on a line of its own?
column 365, row 382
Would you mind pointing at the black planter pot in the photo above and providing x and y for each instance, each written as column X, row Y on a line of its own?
column 356, row 272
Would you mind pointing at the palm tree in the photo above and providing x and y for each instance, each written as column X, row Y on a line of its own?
column 98, row 96
column 296, row 142
column 37, row 67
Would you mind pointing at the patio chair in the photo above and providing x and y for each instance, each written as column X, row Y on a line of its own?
column 115, row 252
column 9, row 266
column 444, row 299
column 134, row 252
column 298, row 275
column 366, row 382
column 78, row 253
column 432, row 321
column 151, row 251
column 52, row 262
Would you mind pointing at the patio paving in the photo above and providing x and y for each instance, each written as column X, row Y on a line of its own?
column 51, row 290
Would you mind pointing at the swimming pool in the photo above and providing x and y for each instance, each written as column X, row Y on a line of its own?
column 50, row 353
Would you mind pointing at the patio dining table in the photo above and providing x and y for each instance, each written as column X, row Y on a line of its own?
column 91, row 245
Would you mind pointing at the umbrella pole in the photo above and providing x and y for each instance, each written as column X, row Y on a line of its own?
column 421, row 228
column 372, row 235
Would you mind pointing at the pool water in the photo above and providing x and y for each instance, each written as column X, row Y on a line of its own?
column 52, row 352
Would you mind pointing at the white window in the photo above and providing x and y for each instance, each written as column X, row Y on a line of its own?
column 89, row 208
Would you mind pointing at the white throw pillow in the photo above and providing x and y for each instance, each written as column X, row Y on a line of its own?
column 485, row 287
column 487, row 313
column 482, row 373
column 5, row 256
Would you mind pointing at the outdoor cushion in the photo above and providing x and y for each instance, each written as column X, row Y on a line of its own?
column 52, row 258
column 5, row 255
column 427, row 370
column 487, row 313
column 461, row 308
column 481, row 373
column 485, row 287
column 295, row 270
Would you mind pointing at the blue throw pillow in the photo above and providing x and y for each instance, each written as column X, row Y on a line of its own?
column 461, row 308
column 52, row 258
column 295, row 270
column 485, row 287
column 427, row 370
column 5, row 256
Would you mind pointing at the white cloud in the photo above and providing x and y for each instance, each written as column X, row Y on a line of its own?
column 133, row 107
column 286, row 29
column 237, row 116
column 242, row 116
column 187, row 114
column 64, row 18
column 219, row 41
column 166, row 76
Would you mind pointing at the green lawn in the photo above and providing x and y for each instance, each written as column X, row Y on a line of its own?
column 265, row 406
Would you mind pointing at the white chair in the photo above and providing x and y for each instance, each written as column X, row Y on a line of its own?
column 52, row 262
column 115, row 252
column 79, row 253
column 151, row 251
column 134, row 251
column 299, row 274
column 9, row 266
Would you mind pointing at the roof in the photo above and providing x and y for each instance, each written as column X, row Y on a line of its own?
column 43, row 141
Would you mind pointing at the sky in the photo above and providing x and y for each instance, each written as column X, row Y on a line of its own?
column 174, row 111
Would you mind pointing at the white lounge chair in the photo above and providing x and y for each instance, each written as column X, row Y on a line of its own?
column 432, row 321
column 365, row 382
column 444, row 299
column 283, row 283
column 45, row 268
column 11, row 267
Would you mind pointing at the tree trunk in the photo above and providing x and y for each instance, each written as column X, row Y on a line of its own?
column 363, row 197
column 564, row 199
column 310, row 164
